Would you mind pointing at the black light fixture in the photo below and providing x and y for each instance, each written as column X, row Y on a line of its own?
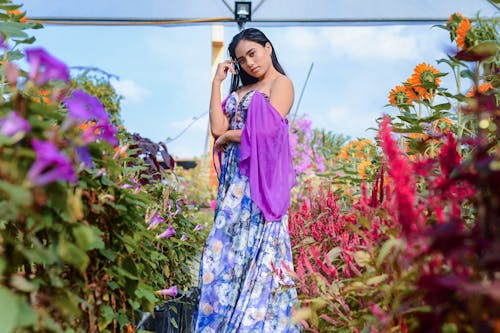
column 242, row 12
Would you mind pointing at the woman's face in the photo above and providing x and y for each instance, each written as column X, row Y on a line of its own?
column 254, row 58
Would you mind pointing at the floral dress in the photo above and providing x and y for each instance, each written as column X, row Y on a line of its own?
column 244, row 286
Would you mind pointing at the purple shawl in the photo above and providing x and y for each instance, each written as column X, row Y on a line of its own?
column 265, row 158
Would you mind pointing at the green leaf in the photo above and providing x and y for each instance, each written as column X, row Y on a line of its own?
column 9, row 310
column 441, row 107
column 28, row 317
column 30, row 40
column 376, row 279
column 106, row 317
column 362, row 258
column 2, row 266
column 17, row 195
column 21, row 283
column 334, row 253
column 387, row 248
column 87, row 238
column 13, row 29
column 73, row 255
column 108, row 253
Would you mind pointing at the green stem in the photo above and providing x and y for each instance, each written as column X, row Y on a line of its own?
column 460, row 126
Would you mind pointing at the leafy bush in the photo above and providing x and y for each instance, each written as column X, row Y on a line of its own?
column 88, row 234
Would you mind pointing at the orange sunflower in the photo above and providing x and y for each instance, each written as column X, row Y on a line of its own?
column 399, row 96
column 423, row 75
column 483, row 89
column 17, row 12
column 462, row 32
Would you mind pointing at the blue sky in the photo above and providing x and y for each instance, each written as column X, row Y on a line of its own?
column 164, row 72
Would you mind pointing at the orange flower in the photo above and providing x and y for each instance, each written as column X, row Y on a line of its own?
column 423, row 76
column 43, row 96
column 442, row 125
column 483, row 89
column 462, row 32
column 362, row 168
column 453, row 16
column 17, row 12
column 119, row 150
column 399, row 96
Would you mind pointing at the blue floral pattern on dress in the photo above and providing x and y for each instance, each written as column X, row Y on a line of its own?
column 244, row 287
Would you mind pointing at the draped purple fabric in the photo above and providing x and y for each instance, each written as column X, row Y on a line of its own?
column 265, row 158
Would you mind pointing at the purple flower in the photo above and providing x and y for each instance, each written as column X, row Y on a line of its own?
column 169, row 232
column 83, row 154
column 2, row 43
column 106, row 132
column 13, row 124
column 84, row 107
column 172, row 291
column 50, row 164
column 184, row 237
column 155, row 220
column 198, row 227
column 44, row 67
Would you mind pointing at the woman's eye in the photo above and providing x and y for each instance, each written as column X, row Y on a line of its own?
column 251, row 54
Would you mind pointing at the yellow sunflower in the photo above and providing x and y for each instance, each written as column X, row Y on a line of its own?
column 423, row 75
column 399, row 96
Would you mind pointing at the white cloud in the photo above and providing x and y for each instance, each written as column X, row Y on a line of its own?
column 346, row 120
column 389, row 43
column 131, row 91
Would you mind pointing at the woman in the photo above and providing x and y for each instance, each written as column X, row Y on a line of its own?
column 244, row 286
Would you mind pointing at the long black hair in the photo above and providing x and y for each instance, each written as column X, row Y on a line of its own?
column 253, row 35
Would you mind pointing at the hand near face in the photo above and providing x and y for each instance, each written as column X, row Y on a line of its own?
column 222, row 69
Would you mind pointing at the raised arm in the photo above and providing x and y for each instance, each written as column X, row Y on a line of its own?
column 281, row 95
column 218, row 121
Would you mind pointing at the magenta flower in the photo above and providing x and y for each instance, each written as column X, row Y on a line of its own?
column 172, row 291
column 106, row 131
column 184, row 237
column 155, row 220
column 13, row 124
column 50, row 165
column 198, row 227
column 213, row 204
column 169, row 232
column 44, row 67
column 83, row 107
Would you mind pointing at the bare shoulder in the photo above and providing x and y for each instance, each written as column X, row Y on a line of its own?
column 281, row 94
column 282, row 85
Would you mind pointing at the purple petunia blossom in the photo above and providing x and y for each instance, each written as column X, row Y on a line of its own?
column 169, row 232
column 184, row 237
column 44, row 67
column 106, row 132
column 50, row 165
column 172, row 291
column 83, row 154
column 198, row 227
column 84, row 107
column 155, row 220
column 2, row 43
column 13, row 124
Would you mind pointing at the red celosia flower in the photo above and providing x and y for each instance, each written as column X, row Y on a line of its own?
column 401, row 171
